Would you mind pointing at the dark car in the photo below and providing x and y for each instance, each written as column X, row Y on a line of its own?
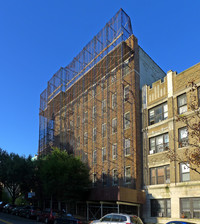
column 67, row 219
column 179, row 222
column 48, row 215
column 8, row 208
column 2, row 204
column 16, row 210
column 30, row 211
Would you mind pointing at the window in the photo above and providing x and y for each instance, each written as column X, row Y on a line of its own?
column 127, row 120
column 85, row 138
column 160, row 175
column 104, row 130
column 95, row 156
column 94, row 134
column 127, row 174
column 106, row 218
column 159, row 143
column 78, row 141
column 78, row 122
column 114, row 125
column 71, row 123
column 104, row 179
column 158, row 113
column 103, row 83
column 85, row 97
column 182, row 137
column 103, row 154
column 115, row 177
column 85, row 117
column 182, row 103
column 198, row 95
column 94, row 112
column 94, row 91
column 184, row 172
column 114, row 151
column 190, row 208
column 127, row 146
column 117, row 218
column 160, row 208
column 103, row 106
column 113, row 76
column 126, row 93
column 94, row 179
column 125, row 69
column 85, row 157
column 114, row 100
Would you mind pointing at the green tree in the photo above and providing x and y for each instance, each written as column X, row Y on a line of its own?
column 16, row 173
column 63, row 176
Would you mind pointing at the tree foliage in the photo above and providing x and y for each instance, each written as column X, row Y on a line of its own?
column 58, row 175
column 191, row 120
column 63, row 176
column 15, row 173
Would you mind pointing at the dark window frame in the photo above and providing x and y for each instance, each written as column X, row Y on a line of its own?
column 104, row 154
column 126, row 93
column 127, row 150
column 185, row 173
column 103, row 106
column 114, row 125
column 127, row 120
column 127, row 177
column 157, row 211
column 95, row 156
column 160, row 116
column 182, row 142
column 179, row 105
column 114, row 151
column 156, row 149
column 190, row 211
column 103, row 129
column 85, row 138
column 154, row 180
column 94, row 134
column 115, row 177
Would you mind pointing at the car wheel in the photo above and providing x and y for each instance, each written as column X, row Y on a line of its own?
column 46, row 221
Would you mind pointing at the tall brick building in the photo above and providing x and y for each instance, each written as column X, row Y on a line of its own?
column 91, row 108
column 172, row 188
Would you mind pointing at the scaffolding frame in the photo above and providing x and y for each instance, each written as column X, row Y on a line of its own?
column 69, row 91
column 117, row 30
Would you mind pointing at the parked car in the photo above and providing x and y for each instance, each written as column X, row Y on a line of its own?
column 48, row 215
column 8, row 208
column 30, row 211
column 67, row 219
column 15, row 210
column 2, row 204
column 118, row 218
column 179, row 222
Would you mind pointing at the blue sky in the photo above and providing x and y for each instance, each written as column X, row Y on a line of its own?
column 37, row 37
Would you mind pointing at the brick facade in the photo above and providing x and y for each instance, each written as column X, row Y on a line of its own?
column 155, row 130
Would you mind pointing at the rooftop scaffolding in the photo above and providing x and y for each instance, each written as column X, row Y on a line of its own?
column 59, row 92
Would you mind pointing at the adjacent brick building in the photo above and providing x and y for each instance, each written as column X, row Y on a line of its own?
column 172, row 188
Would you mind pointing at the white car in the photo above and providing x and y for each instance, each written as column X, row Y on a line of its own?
column 117, row 218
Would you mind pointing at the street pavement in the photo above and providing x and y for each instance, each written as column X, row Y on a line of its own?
column 11, row 219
